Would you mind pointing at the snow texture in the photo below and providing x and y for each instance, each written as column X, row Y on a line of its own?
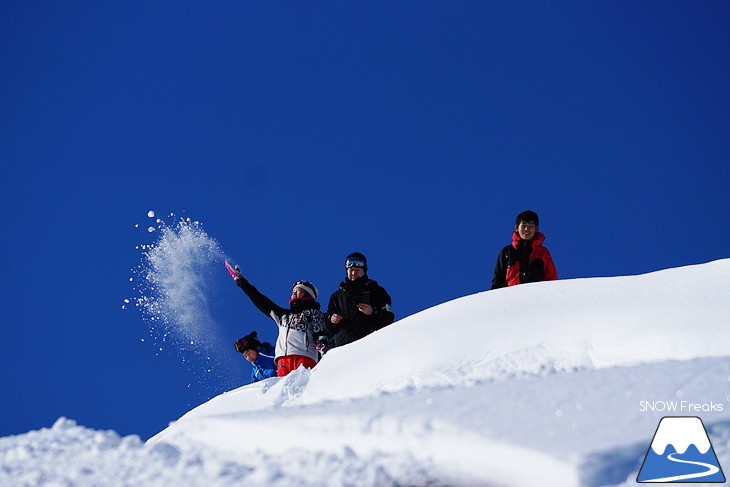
column 548, row 384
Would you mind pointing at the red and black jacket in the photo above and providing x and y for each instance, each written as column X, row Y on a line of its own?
column 524, row 261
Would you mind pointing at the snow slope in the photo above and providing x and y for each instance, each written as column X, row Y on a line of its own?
column 559, row 383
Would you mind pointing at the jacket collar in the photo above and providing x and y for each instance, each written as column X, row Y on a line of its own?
column 535, row 242
column 299, row 305
column 348, row 285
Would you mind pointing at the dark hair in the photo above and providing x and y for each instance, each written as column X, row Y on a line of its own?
column 528, row 217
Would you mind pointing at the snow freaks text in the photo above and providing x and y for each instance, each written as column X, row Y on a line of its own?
column 680, row 407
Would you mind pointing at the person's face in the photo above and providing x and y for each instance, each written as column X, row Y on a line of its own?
column 298, row 293
column 354, row 273
column 527, row 230
column 250, row 355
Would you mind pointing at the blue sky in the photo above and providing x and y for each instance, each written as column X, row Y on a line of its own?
column 413, row 132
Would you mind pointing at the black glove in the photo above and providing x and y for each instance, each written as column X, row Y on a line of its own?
column 239, row 279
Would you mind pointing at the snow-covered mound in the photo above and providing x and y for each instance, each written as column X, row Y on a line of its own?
column 559, row 383
column 539, row 328
column 675, row 314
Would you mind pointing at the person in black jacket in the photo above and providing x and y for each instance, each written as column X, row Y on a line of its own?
column 359, row 307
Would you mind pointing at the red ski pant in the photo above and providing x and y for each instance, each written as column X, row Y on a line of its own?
column 290, row 363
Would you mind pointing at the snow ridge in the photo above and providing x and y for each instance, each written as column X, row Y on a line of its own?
column 544, row 390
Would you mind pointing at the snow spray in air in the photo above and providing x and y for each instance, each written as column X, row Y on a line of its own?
column 174, row 283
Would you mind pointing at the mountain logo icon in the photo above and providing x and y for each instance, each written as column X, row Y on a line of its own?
column 680, row 452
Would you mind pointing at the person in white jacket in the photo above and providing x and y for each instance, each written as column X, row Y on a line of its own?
column 298, row 324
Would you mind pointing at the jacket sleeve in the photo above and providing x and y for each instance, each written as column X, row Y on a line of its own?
column 267, row 373
column 382, row 313
column 500, row 271
column 264, row 304
column 332, row 308
column 259, row 373
column 551, row 273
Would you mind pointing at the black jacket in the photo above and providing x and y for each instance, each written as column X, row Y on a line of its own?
column 355, row 324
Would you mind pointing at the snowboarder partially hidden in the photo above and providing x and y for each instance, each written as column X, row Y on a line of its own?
column 359, row 307
column 261, row 356
column 297, row 324
column 526, row 260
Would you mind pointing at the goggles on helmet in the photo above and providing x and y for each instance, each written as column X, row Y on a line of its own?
column 242, row 345
column 354, row 263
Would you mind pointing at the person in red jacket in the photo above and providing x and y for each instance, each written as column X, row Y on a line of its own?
column 526, row 260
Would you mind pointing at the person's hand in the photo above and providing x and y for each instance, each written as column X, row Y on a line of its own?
column 324, row 344
column 365, row 308
column 335, row 319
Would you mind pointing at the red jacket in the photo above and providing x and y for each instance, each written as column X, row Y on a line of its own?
column 524, row 261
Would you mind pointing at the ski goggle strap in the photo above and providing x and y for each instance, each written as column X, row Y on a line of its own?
column 354, row 263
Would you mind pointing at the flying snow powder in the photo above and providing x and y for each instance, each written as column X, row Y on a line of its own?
column 175, row 276
column 174, row 285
